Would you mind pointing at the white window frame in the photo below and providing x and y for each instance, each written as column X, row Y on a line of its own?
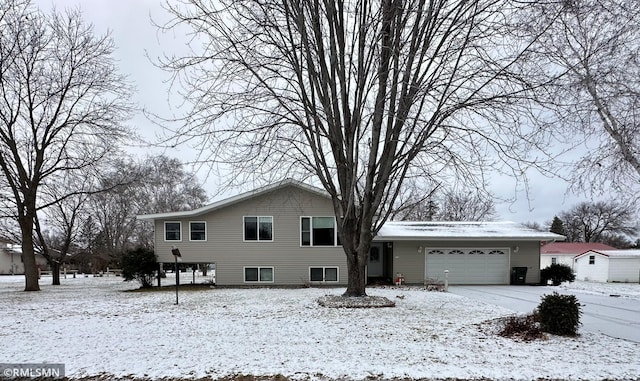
column 554, row 260
column 165, row 231
column 191, row 230
column 244, row 237
column 244, row 274
column 324, row 274
column 335, row 231
column 592, row 259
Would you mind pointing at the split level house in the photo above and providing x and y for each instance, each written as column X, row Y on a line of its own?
column 285, row 234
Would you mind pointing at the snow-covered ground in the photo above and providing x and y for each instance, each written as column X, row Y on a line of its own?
column 93, row 327
column 625, row 290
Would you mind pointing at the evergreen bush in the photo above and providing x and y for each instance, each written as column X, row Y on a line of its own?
column 139, row 264
column 559, row 314
column 557, row 273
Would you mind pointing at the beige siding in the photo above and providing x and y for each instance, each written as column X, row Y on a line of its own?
column 409, row 256
column 226, row 248
column 528, row 255
column 408, row 261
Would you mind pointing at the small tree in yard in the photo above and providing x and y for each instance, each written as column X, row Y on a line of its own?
column 557, row 273
column 559, row 314
column 139, row 264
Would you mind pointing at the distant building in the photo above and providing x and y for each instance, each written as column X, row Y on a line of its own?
column 563, row 253
column 608, row 266
column 10, row 259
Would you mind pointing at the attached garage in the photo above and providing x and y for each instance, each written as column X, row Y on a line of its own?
column 471, row 252
column 469, row 266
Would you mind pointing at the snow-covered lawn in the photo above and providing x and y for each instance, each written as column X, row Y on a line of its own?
column 625, row 290
column 94, row 327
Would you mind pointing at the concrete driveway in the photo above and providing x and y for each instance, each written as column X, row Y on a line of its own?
column 613, row 316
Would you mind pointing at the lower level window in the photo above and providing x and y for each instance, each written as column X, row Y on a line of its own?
column 258, row 274
column 323, row 274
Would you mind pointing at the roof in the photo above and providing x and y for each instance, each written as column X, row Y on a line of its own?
column 236, row 199
column 439, row 230
column 572, row 248
column 612, row 253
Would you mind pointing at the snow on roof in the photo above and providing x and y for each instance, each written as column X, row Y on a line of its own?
column 612, row 253
column 439, row 230
column 572, row 248
column 235, row 199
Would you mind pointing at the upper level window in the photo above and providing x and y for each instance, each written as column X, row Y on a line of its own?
column 198, row 231
column 172, row 231
column 258, row 228
column 592, row 259
column 318, row 231
column 554, row 260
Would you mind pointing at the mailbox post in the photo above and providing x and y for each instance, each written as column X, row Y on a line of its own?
column 176, row 254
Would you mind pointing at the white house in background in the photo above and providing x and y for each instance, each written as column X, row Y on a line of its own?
column 10, row 260
column 608, row 266
column 563, row 252
column 285, row 234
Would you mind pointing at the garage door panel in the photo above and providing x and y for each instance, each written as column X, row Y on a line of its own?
column 469, row 266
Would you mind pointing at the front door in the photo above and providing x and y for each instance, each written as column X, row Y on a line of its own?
column 376, row 261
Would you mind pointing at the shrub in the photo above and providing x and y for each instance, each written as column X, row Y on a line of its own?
column 557, row 273
column 139, row 264
column 559, row 314
column 524, row 327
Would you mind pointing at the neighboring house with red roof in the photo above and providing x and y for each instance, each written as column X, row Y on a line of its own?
column 608, row 266
column 564, row 252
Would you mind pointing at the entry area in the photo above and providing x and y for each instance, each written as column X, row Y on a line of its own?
column 379, row 267
column 468, row 265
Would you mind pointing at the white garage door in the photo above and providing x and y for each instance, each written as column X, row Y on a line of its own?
column 469, row 266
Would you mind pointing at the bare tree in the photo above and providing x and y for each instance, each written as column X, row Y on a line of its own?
column 62, row 104
column 153, row 185
column 534, row 225
column 592, row 222
column 438, row 205
column 57, row 227
column 356, row 95
column 466, row 206
column 596, row 45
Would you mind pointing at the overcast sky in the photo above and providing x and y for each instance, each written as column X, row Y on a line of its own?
column 129, row 22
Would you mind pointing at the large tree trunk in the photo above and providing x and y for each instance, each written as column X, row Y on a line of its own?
column 356, row 245
column 55, row 273
column 28, row 255
column 357, row 278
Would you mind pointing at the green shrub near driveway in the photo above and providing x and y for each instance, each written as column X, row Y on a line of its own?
column 559, row 314
column 557, row 273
